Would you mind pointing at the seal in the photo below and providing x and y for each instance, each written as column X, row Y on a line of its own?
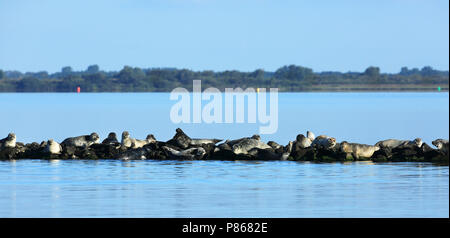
column 111, row 139
column 135, row 143
column 244, row 145
column 199, row 142
column 416, row 142
column 53, row 147
column 358, row 150
column 274, row 145
column 441, row 144
column 82, row 141
column 188, row 154
column 310, row 135
column 126, row 140
column 233, row 142
column 302, row 141
column 267, row 154
column 134, row 154
column 180, row 139
column 393, row 143
column 9, row 141
column 324, row 141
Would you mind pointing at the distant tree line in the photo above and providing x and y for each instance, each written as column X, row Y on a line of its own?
column 133, row 79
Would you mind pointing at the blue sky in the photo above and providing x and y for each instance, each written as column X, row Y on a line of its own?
column 344, row 35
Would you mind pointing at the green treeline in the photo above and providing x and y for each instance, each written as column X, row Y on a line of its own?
column 287, row 78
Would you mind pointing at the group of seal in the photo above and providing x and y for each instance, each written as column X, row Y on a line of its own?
column 361, row 150
column 183, row 147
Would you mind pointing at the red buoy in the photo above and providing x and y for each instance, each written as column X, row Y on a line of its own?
column 78, row 89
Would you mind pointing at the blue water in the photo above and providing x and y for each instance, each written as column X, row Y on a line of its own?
column 109, row 188
column 356, row 117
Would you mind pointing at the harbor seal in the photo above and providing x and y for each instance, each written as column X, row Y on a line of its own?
column 358, row 150
column 135, row 143
column 274, row 145
column 326, row 142
column 188, row 154
column 134, row 154
column 199, row 142
column 53, row 147
column 180, row 139
column 9, row 141
column 111, row 139
column 416, row 142
column 265, row 154
column 441, row 144
column 393, row 143
column 302, row 141
column 244, row 145
column 310, row 135
column 233, row 142
column 82, row 141
column 126, row 140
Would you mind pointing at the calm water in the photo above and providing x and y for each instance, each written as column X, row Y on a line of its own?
column 37, row 188
column 357, row 117
column 106, row 188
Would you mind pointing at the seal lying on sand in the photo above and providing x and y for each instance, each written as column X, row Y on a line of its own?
column 324, row 141
column 393, row 143
column 111, row 140
column 244, row 145
column 441, row 144
column 189, row 154
column 53, row 147
column 135, row 143
column 358, row 150
column 9, row 141
column 82, row 141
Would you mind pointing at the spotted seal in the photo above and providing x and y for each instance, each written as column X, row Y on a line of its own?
column 135, row 143
column 53, row 147
column 82, row 141
column 244, row 145
column 111, row 139
column 358, row 150
column 324, row 141
column 187, row 154
column 441, row 144
column 9, row 141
